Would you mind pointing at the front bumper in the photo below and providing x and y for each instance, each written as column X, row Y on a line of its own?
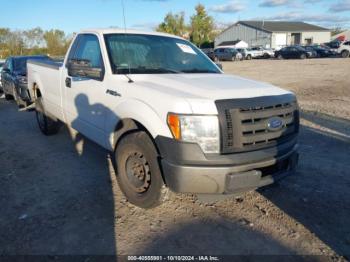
column 247, row 174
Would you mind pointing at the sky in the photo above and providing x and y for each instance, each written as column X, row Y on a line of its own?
column 74, row 15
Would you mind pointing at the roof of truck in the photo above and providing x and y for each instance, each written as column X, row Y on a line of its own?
column 123, row 31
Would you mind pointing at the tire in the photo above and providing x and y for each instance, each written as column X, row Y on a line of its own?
column 47, row 125
column 266, row 56
column 8, row 97
column 279, row 57
column 303, row 56
column 345, row 54
column 249, row 57
column 138, row 172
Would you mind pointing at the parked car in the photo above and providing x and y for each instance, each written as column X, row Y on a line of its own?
column 210, row 53
column 14, row 78
column 227, row 54
column 168, row 115
column 341, row 48
column 2, row 62
column 247, row 53
column 262, row 52
column 321, row 51
column 311, row 50
column 292, row 52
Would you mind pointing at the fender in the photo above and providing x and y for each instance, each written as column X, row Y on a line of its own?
column 138, row 111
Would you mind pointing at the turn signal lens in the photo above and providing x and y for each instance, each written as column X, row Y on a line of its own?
column 174, row 125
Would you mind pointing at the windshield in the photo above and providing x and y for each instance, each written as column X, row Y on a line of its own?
column 151, row 54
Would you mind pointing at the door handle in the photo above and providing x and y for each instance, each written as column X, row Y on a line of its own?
column 68, row 82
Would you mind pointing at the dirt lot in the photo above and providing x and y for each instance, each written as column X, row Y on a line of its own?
column 59, row 196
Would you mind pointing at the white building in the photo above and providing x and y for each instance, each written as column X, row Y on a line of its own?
column 234, row 44
column 274, row 34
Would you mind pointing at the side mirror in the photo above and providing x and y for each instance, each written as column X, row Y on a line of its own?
column 83, row 68
column 219, row 65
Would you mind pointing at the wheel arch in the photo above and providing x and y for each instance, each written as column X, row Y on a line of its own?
column 131, row 116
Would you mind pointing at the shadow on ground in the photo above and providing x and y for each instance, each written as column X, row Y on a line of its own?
column 214, row 237
column 54, row 198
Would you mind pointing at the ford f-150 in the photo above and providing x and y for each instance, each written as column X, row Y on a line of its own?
column 169, row 116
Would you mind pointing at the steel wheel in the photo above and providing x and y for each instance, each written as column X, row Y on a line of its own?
column 138, row 172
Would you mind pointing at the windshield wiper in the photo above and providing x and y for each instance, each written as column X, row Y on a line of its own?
column 145, row 70
column 196, row 70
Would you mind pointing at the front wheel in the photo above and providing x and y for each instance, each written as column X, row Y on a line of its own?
column 302, row 56
column 47, row 125
column 345, row 54
column 138, row 171
column 279, row 57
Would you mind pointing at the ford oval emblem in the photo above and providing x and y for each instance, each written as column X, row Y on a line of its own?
column 275, row 124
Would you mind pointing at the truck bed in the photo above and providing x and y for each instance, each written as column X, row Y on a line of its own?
column 47, row 63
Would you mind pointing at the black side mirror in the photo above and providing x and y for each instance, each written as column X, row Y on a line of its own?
column 219, row 65
column 83, row 68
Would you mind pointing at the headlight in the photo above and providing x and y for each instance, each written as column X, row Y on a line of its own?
column 203, row 130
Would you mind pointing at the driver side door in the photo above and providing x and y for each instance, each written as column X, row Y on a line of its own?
column 83, row 96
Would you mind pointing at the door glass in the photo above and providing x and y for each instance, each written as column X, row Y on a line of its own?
column 89, row 49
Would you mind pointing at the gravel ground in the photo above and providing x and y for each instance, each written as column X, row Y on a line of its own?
column 58, row 195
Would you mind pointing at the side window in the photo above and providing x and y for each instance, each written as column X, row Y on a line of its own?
column 89, row 49
column 347, row 43
column 74, row 48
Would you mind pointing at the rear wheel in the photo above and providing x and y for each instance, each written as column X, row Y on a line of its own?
column 302, row 56
column 249, row 57
column 279, row 57
column 138, row 171
column 345, row 54
column 8, row 97
column 47, row 125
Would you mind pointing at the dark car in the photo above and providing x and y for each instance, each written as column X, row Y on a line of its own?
column 313, row 53
column 14, row 78
column 322, row 51
column 210, row 53
column 292, row 52
column 227, row 53
column 2, row 62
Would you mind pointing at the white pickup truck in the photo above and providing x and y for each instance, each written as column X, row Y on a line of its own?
column 170, row 117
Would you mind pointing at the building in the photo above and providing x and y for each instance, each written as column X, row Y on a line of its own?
column 344, row 36
column 234, row 44
column 274, row 34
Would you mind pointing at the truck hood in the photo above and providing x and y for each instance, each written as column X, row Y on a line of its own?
column 206, row 86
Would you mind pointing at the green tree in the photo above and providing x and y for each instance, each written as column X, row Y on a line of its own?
column 34, row 38
column 174, row 24
column 56, row 42
column 202, row 26
column 14, row 43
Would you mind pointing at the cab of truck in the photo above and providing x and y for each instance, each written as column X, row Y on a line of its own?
column 170, row 117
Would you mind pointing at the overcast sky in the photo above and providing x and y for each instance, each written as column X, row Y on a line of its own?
column 73, row 15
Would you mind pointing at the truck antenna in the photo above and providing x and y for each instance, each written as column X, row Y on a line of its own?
column 124, row 19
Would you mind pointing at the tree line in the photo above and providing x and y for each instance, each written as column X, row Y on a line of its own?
column 33, row 42
column 201, row 29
